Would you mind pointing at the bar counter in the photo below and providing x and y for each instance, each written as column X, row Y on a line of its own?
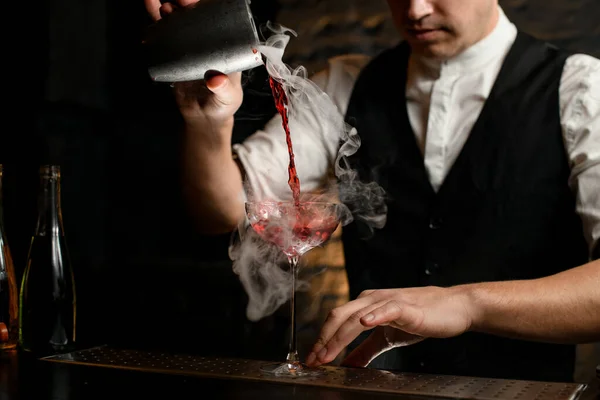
column 106, row 372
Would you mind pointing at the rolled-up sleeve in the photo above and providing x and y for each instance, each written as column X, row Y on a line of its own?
column 315, row 136
column 580, row 116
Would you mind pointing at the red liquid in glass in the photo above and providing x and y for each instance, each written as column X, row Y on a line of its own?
column 281, row 102
column 296, row 236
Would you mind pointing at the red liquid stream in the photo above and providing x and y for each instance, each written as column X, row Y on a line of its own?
column 281, row 102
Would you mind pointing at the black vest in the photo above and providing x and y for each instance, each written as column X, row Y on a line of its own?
column 505, row 210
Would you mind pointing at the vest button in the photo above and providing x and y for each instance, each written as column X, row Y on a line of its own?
column 435, row 223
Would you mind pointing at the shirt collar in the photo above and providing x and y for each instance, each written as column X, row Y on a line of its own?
column 493, row 46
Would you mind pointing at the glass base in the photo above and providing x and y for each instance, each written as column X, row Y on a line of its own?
column 291, row 370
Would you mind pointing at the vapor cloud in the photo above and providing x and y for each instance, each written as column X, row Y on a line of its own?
column 260, row 265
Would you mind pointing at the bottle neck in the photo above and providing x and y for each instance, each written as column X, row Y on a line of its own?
column 3, row 255
column 1, row 203
column 49, row 210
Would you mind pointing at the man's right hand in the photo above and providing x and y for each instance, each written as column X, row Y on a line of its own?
column 209, row 103
column 212, row 180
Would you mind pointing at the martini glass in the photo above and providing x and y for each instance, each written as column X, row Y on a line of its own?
column 294, row 229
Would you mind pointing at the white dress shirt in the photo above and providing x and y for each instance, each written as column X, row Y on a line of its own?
column 444, row 100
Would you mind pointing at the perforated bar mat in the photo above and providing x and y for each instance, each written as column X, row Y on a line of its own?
column 335, row 377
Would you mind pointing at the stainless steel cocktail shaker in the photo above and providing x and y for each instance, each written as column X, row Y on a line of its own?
column 208, row 35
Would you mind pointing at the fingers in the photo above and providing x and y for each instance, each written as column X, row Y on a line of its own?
column 160, row 8
column 339, row 315
column 216, row 81
column 226, row 88
column 396, row 314
column 369, row 310
column 227, row 94
column 342, row 327
column 166, row 9
column 392, row 319
column 153, row 8
column 371, row 347
column 216, row 98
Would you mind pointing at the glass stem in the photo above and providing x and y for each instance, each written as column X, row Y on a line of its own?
column 292, row 356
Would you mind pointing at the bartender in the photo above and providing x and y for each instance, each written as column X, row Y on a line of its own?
column 487, row 143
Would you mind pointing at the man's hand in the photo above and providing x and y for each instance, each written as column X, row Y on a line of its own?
column 400, row 317
column 207, row 104
column 211, row 179
column 157, row 9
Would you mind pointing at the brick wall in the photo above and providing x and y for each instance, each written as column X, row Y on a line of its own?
column 332, row 27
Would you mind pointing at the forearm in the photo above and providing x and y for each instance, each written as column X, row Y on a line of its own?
column 211, row 178
column 563, row 308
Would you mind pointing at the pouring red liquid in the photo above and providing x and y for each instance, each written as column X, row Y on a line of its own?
column 281, row 102
column 295, row 228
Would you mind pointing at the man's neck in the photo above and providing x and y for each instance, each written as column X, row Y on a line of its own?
column 497, row 41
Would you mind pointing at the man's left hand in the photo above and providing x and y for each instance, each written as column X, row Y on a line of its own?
column 401, row 317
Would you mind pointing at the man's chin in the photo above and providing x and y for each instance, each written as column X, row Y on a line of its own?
column 434, row 50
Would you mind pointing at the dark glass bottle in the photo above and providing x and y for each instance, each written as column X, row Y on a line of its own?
column 9, row 307
column 47, row 300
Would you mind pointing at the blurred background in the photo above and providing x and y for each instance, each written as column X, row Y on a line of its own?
column 78, row 95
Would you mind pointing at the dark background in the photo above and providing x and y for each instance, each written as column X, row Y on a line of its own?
column 77, row 94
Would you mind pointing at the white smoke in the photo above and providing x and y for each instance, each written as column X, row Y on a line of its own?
column 259, row 267
column 258, row 263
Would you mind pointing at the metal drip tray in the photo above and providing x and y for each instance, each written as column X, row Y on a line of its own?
column 343, row 378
